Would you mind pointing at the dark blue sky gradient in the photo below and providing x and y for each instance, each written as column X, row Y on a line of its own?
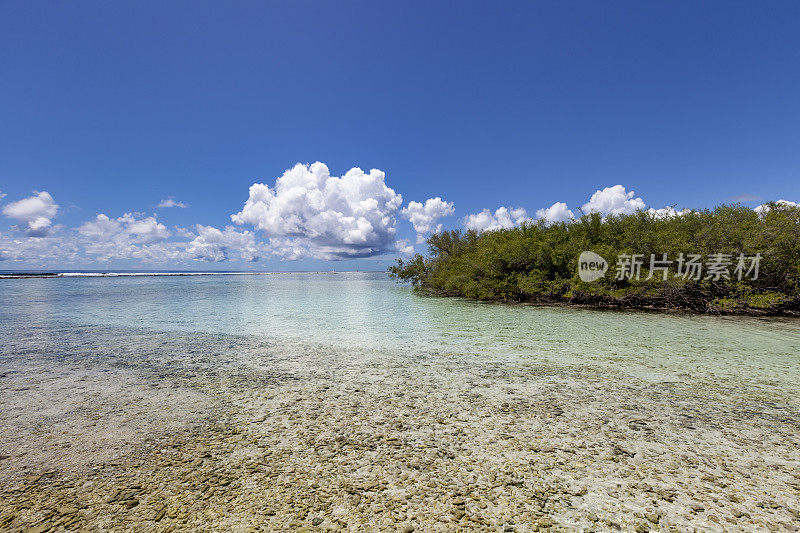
column 112, row 106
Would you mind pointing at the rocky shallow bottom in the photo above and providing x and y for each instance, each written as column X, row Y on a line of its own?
column 315, row 440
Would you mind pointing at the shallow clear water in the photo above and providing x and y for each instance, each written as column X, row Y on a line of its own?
column 347, row 311
column 611, row 412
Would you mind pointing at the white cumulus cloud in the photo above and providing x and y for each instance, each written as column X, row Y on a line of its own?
column 51, row 249
column 404, row 247
column 183, row 232
column 212, row 244
column 136, row 230
column 36, row 212
column 613, row 201
column 171, row 202
column 558, row 212
column 503, row 217
column 323, row 216
column 763, row 208
column 126, row 237
column 424, row 217
column 667, row 212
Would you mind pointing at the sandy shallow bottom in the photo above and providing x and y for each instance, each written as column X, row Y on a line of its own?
column 308, row 438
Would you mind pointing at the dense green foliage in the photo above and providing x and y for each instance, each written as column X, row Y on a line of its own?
column 539, row 262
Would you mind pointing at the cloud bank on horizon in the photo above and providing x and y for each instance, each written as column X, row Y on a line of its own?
column 306, row 214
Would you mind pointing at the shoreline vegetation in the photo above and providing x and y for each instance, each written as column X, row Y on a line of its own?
column 538, row 262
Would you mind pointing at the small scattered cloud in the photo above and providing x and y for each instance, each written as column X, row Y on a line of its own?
column 171, row 202
column 425, row 217
column 404, row 247
column 503, row 217
column 558, row 212
column 613, row 201
column 2, row 195
column 746, row 197
column 36, row 212
column 310, row 213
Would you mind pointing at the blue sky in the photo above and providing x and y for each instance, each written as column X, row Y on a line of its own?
column 112, row 107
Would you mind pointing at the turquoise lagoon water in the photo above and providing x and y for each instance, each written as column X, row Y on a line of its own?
column 348, row 313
